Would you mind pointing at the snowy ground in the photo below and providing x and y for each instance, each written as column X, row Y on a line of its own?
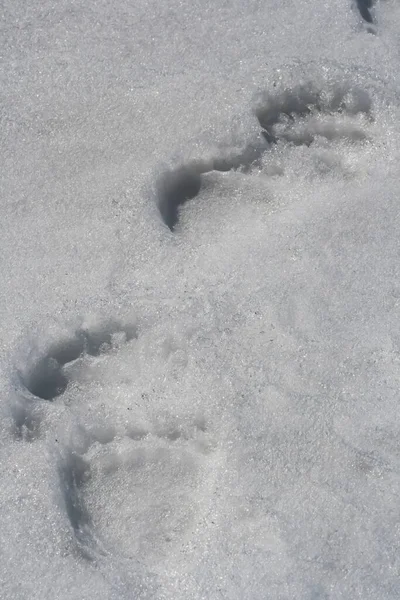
column 200, row 276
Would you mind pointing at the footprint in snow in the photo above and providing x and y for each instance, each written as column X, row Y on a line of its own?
column 290, row 117
column 132, row 484
column 45, row 372
column 139, row 494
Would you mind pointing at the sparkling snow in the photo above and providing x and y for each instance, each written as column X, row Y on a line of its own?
column 200, row 307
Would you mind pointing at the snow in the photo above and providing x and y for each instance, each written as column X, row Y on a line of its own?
column 200, row 349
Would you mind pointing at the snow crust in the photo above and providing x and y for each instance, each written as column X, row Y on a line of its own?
column 200, row 275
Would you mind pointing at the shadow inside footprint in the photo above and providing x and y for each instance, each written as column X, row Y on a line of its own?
column 176, row 187
column 74, row 471
column 364, row 8
column 72, row 476
column 47, row 380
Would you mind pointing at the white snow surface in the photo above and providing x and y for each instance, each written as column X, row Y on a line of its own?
column 209, row 410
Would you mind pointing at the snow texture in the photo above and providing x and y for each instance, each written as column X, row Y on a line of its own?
column 200, row 275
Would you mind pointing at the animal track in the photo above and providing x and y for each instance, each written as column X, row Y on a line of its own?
column 294, row 116
column 133, row 495
column 47, row 379
column 129, row 469
column 45, row 373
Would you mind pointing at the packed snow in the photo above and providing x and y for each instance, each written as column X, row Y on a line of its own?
column 200, row 307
